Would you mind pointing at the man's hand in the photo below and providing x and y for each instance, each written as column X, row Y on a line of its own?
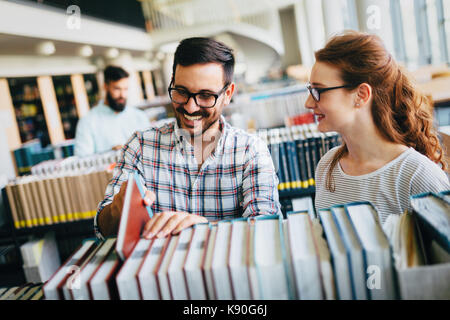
column 109, row 217
column 118, row 147
column 168, row 222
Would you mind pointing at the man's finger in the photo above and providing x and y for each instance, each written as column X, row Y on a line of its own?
column 160, row 221
column 171, row 224
column 149, row 197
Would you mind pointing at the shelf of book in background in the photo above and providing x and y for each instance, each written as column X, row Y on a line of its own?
column 32, row 153
column 28, row 109
column 66, row 103
column 92, row 89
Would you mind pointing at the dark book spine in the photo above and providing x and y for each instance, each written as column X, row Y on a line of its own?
column 284, row 168
column 302, row 164
column 308, row 165
column 293, row 160
column 313, row 159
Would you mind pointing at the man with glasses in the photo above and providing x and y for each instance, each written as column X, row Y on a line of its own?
column 198, row 168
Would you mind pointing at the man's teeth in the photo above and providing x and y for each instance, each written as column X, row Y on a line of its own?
column 192, row 118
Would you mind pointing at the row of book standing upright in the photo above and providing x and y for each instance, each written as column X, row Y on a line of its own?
column 296, row 151
column 60, row 190
column 342, row 253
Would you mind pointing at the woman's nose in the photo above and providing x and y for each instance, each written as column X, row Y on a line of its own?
column 310, row 103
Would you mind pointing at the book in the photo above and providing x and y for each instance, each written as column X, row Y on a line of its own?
column 268, row 256
column 207, row 263
column 52, row 289
column 127, row 281
column 433, row 218
column 380, row 282
column 162, row 268
column 175, row 273
column 102, row 285
column 290, row 268
column 133, row 218
column 74, row 281
column 146, row 274
column 255, row 290
column 219, row 263
column 338, row 252
column 82, row 291
column 40, row 258
column 237, row 261
column 194, row 260
column 354, row 252
column 304, row 204
column 304, row 255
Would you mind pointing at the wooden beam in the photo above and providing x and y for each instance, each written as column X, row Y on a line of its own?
column 79, row 91
column 8, row 116
column 51, row 109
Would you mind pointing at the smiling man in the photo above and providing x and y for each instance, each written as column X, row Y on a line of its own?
column 198, row 168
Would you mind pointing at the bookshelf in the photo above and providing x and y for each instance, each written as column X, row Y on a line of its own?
column 92, row 89
column 67, row 105
column 28, row 110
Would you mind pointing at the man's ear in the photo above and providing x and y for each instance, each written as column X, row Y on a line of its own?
column 363, row 94
column 229, row 93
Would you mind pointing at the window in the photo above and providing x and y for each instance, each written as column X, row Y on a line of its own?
column 433, row 27
column 445, row 27
column 410, row 35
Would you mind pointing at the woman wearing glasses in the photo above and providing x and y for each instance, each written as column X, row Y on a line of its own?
column 390, row 148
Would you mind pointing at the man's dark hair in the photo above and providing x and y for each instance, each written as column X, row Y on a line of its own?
column 114, row 73
column 204, row 50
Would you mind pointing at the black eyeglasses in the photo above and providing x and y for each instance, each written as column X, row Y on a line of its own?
column 202, row 99
column 315, row 92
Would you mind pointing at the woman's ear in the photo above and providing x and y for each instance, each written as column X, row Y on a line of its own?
column 363, row 94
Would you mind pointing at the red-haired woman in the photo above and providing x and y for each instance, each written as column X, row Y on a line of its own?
column 390, row 148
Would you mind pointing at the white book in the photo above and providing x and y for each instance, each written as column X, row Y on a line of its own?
column 269, row 261
column 290, row 268
column 74, row 281
column 354, row 252
column 194, row 260
column 304, row 204
column 219, row 263
column 237, row 262
column 207, row 263
column 175, row 270
column 255, row 289
column 82, row 291
column 304, row 257
column 127, row 282
column 341, row 265
column 163, row 280
column 50, row 289
column 102, row 284
column 147, row 273
column 379, row 267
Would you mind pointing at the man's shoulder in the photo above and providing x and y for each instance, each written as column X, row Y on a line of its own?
column 165, row 127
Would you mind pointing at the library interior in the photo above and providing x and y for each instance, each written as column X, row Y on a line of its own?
column 139, row 135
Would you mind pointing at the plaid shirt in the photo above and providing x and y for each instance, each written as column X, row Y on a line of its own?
column 237, row 179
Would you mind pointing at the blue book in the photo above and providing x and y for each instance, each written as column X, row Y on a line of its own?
column 285, row 167
column 378, row 260
column 433, row 217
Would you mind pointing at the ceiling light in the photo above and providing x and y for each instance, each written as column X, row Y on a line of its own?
column 86, row 51
column 46, row 48
column 112, row 53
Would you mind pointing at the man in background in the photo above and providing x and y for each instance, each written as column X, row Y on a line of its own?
column 109, row 124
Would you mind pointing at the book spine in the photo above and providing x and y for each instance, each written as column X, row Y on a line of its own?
column 313, row 159
column 294, row 168
column 284, row 168
column 308, row 165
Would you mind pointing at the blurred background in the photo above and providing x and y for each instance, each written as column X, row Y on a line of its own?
column 52, row 53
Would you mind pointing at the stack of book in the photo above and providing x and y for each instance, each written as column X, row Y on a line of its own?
column 40, row 258
column 29, row 291
column 296, row 151
column 57, row 197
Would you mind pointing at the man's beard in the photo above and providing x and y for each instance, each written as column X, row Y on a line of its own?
column 179, row 113
column 113, row 104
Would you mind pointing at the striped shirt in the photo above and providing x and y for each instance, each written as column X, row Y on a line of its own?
column 237, row 179
column 387, row 188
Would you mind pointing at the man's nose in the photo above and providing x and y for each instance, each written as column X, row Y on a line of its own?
column 190, row 106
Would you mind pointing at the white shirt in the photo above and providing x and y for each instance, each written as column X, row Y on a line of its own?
column 387, row 188
column 103, row 128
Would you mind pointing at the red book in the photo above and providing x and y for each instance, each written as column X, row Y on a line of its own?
column 133, row 219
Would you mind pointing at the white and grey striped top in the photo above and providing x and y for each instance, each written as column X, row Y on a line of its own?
column 387, row 188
